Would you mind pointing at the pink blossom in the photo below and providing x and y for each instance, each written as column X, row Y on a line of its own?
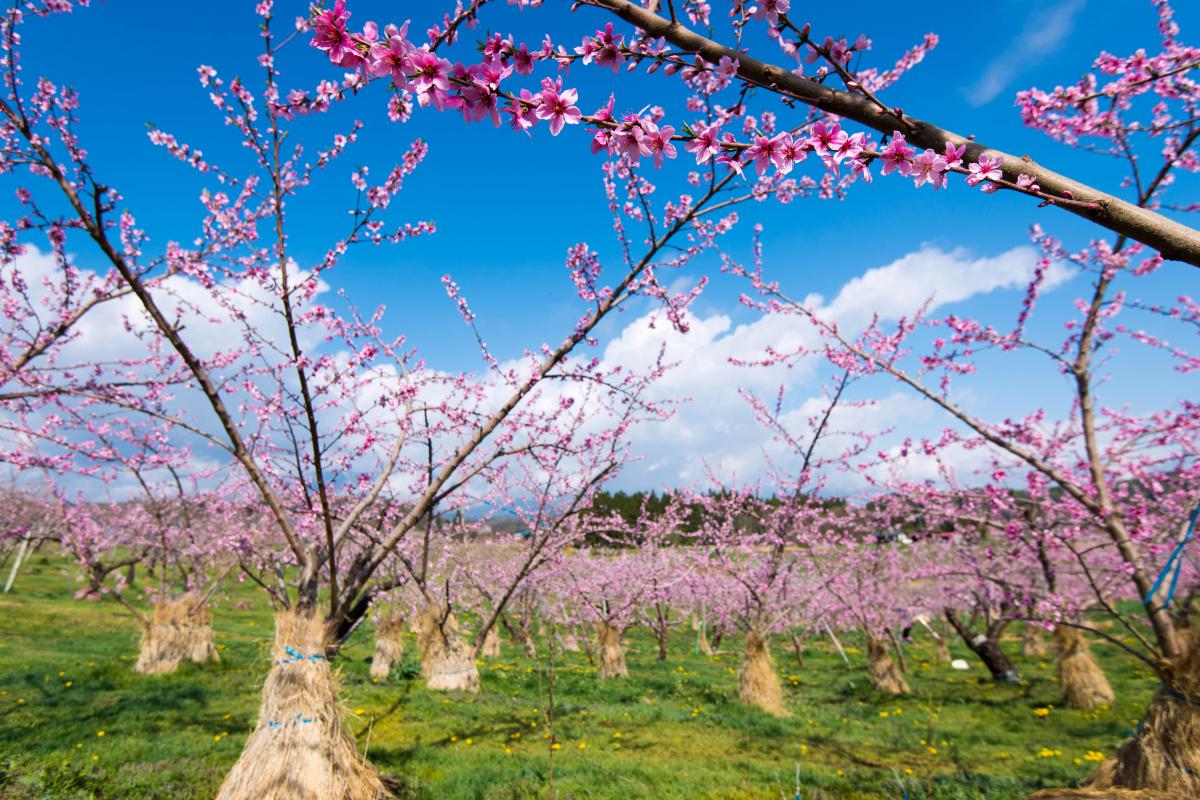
column 657, row 141
column 766, row 151
column 827, row 138
column 704, row 143
column 330, row 33
column 897, row 156
column 929, row 167
column 391, row 58
column 556, row 105
column 987, row 168
column 431, row 80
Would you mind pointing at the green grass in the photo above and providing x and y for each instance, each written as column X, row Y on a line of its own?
column 682, row 733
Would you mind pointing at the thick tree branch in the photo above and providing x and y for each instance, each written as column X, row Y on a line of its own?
column 1172, row 239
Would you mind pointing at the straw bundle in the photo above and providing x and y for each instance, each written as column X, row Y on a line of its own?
column 1164, row 753
column 1082, row 681
column 389, row 645
column 299, row 749
column 1032, row 643
column 179, row 627
column 1108, row 794
column 758, row 685
column 446, row 660
column 612, row 652
column 491, row 644
column 885, row 676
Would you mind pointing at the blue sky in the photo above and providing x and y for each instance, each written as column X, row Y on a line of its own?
column 507, row 206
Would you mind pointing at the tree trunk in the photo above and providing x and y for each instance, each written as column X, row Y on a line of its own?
column 986, row 648
column 798, row 649
column 718, row 633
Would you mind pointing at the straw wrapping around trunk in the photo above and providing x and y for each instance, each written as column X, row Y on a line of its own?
column 179, row 627
column 941, row 650
column 1164, row 752
column 885, row 675
column 389, row 646
column 758, row 684
column 702, row 643
column 1083, row 683
column 1108, row 794
column 612, row 652
column 491, row 644
column 299, row 749
column 446, row 660
column 1033, row 645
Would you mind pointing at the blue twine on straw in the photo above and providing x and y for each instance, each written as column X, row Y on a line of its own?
column 296, row 656
column 299, row 720
column 1174, row 564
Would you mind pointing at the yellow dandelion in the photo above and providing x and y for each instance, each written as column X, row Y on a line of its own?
column 100, row 733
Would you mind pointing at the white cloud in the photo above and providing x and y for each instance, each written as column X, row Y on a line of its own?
column 931, row 273
column 716, row 429
column 1044, row 29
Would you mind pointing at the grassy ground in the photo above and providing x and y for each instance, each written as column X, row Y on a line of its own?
column 75, row 722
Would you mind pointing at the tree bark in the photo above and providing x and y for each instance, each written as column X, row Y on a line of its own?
column 986, row 648
column 1172, row 239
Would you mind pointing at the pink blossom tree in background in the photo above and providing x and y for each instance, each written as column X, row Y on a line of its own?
column 609, row 588
column 1111, row 470
column 366, row 465
column 329, row 422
